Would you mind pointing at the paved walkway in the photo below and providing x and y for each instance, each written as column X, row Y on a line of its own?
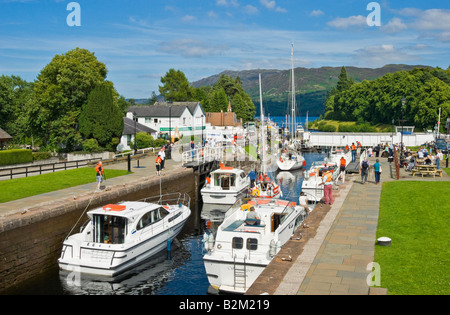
column 336, row 260
column 147, row 170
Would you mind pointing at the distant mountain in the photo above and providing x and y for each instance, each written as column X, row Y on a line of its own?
column 311, row 85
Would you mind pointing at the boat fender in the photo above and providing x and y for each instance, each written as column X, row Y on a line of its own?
column 211, row 241
column 272, row 248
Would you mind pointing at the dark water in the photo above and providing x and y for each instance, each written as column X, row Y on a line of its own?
column 180, row 272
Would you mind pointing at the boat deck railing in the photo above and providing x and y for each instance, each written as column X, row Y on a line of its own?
column 171, row 199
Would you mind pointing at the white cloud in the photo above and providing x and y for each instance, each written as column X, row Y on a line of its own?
column 268, row 4
column 188, row 18
column 227, row 3
column 377, row 56
column 316, row 13
column 434, row 19
column 249, row 9
column 272, row 5
column 190, row 48
column 395, row 25
column 356, row 21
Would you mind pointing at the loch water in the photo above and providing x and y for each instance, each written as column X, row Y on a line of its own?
column 178, row 272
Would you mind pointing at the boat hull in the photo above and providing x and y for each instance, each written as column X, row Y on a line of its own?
column 108, row 260
column 222, row 197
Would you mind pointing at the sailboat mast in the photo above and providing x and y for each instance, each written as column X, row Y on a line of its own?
column 294, row 120
column 263, row 139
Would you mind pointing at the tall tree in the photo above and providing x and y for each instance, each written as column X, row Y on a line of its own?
column 175, row 87
column 61, row 89
column 101, row 118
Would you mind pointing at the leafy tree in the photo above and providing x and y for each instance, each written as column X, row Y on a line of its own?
column 101, row 118
column 175, row 87
column 61, row 89
column 379, row 101
column 16, row 96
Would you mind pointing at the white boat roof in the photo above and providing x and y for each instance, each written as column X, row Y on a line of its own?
column 228, row 170
column 128, row 209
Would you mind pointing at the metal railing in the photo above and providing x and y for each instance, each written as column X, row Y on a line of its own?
column 50, row 167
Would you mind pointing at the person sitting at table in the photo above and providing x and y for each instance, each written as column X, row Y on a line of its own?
column 411, row 165
column 427, row 161
column 420, row 154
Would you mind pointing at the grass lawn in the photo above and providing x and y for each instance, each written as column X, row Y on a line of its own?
column 447, row 170
column 415, row 215
column 19, row 188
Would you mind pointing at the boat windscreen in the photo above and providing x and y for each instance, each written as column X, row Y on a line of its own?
column 109, row 229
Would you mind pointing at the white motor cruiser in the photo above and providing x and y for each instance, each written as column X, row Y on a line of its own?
column 242, row 247
column 227, row 185
column 313, row 177
column 120, row 236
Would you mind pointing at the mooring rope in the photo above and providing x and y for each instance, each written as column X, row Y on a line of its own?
column 95, row 192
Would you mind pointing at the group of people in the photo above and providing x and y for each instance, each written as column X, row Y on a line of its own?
column 425, row 157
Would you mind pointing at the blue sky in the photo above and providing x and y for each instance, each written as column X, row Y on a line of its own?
column 139, row 41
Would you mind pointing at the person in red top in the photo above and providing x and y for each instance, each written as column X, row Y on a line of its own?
column 353, row 152
column 342, row 166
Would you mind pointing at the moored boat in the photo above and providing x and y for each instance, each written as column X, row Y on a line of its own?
column 242, row 247
column 226, row 186
column 117, row 237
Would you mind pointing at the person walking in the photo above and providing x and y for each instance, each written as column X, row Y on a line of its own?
column 364, row 170
column 353, row 147
column 377, row 169
column 343, row 164
column 327, row 187
column 439, row 157
column 252, row 176
column 99, row 174
column 162, row 155
column 158, row 165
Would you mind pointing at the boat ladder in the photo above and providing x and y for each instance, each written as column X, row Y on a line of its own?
column 240, row 275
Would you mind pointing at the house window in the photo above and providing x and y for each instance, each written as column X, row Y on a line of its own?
column 155, row 120
column 184, row 120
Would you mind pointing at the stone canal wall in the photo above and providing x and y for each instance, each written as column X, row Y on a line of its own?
column 30, row 242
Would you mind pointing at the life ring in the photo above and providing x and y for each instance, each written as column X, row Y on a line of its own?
column 256, row 192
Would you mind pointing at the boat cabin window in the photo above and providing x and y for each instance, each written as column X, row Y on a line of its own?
column 151, row 217
column 252, row 244
column 237, row 243
column 225, row 181
column 109, row 229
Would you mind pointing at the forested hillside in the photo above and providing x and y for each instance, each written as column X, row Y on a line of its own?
column 312, row 85
column 380, row 101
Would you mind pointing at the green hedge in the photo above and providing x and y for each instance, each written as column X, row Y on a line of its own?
column 16, row 156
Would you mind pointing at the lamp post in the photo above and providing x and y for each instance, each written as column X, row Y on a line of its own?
column 403, row 113
column 202, row 130
column 170, row 122
column 135, row 130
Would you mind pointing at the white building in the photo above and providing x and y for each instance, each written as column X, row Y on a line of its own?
column 166, row 117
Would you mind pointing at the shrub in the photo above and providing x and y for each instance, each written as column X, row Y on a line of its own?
column 38, row 156
column 16, row 156
column 91, row 145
